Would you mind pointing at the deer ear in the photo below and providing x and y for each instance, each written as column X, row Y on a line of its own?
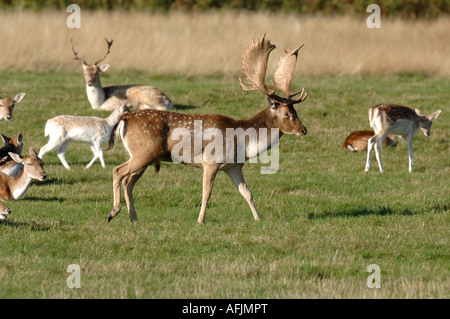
column 104, row 67
column 434, row 115
column 271, row 103
column 33, row 152
column 20, row 137
column 4, row 138
column 16, row 158
column 19, row 97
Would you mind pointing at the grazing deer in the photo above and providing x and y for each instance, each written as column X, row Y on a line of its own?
column 7, row 106
column 16, row 187
column 148, row 135
column 14, row 145
column 94, row 130
column 108, row 98
column 399, row 120
column 357, row 141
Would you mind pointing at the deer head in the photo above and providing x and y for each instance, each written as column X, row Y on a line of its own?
column 91, row 71
column 12, row 144
column 426, row 121
column 33, row 166
column 7, row 106
column 254, row 66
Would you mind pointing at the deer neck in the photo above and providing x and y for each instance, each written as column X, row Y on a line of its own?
column 96, row 94
column 264, row 119
column 114, row 117
column 19, row 185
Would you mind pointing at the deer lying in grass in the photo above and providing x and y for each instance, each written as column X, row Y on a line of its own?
column 357, row 141
column 150, row 136
column 7, row 106
column 12, row 145
column 15, row 187
column 64, row 129
column 399, row 120
column 109, row 97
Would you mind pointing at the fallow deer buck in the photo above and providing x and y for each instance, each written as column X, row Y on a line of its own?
column 94, row 130
column 15, row 187
column 357, row 141
column 399, row 120
column 150, row 136
column 7, row 106
column 110, row 97
column 12, row 145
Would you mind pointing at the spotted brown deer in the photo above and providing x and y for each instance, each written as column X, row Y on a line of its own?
column 110, row 97
column 64, row 129
column 7, row 106
column 150, row 136
column 399, row 120
column 15, row 187
column 12, row 145
column 357, row 141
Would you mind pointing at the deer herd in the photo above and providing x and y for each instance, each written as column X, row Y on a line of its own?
column 148, row 131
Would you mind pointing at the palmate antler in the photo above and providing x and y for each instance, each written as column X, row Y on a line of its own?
column 254, row 66
column 109, row 44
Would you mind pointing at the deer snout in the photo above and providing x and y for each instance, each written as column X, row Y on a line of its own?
column 8, row 117
column 304, row 131
column 44, row 176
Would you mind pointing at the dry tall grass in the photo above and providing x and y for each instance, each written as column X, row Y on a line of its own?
column 198, row 44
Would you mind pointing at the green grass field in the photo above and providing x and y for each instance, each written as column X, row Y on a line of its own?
column 323, row 220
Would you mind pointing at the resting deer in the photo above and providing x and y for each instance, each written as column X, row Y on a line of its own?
column 399, row 120
column 15, row 187
column 109, row 97
column 357, row 141
column 151, row 136
column 64, row 129
column 7, row 106
column 14, row 145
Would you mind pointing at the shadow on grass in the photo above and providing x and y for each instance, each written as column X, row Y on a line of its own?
column 383, row 211
column 44, row 199
column 31, row 225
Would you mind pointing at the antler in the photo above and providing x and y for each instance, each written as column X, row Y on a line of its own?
column 76, row 54
column 109, row 43
column 284, row 73
column 254, row 66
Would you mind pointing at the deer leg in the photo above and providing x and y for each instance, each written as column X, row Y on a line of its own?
column 409, row 141
column 94, row 150
column 50, row 146
column 370, row 144
column 120, row 173
column 62, row 154
column 128, row 185
column 237, row 177
column 378, row 155
column 209, row 173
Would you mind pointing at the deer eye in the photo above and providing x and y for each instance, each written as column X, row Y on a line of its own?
column 286, row 114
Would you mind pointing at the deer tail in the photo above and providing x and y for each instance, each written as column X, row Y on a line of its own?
column 117, row 129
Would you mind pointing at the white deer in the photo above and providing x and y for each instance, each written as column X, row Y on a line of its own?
column 91, row 129
column 109, row 97
column 7, row 106
column 15, row 187
column 400, row 120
